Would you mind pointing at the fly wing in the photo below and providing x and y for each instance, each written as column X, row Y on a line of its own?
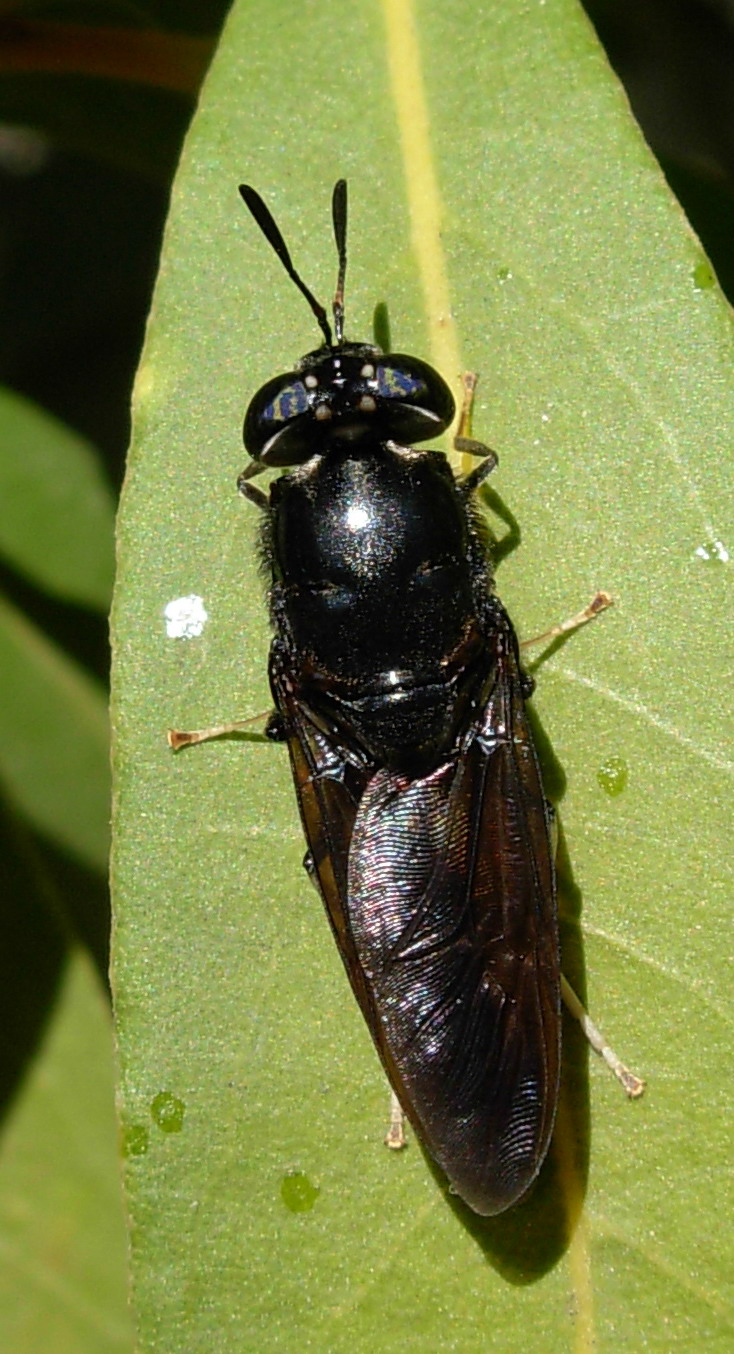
column 330, row 780
column 452, row 917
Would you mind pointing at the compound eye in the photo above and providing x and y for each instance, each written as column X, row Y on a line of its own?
column 287, row 403
column 415, row 401
column 397, row 383
column 275, row 421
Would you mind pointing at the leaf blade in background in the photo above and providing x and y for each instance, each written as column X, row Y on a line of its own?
column 63, row 1241
column 56, row 509
column 53, row 740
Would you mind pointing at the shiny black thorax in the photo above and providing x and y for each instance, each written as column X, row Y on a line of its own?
column 379, row 591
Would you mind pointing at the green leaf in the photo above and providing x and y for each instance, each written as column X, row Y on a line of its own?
column 272, row 1218
column 53, row 740
column 56, row 509
column 62, row 1283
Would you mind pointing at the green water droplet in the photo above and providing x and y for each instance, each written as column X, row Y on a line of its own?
column 297, row 1192
column 704, row 277
column 168, row 1112
column 612, row 776
column 135, row 1140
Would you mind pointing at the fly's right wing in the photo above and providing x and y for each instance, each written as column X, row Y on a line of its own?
column 451, row 911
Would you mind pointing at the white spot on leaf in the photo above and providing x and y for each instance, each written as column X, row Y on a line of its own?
column 185, row 617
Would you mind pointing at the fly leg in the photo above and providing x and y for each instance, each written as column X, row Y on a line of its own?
column 632, row 1084
column 251, row 491
column 395, row 1137
column 468, row 445
column 185, row 738
column 465, row 443
column 182, row 738
column 600, row 602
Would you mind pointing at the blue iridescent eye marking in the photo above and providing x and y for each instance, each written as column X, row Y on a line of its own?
column 396, row 382
column 288, row 403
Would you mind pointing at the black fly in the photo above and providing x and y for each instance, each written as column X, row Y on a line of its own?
column 396, row 677
column 398, row 687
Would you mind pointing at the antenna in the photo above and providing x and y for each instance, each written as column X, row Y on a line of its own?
column 339, row 217
column 264, row 218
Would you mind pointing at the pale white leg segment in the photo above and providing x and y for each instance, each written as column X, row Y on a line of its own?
column 633, row 1085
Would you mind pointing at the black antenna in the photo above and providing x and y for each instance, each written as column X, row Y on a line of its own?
column 264, row 218
column 339, row 217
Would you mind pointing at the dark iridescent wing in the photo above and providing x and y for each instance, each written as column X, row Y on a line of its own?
column 451, row 909
column 440, row 891
column 330, row 781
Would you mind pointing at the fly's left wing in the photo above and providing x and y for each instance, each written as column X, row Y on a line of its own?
column 330, row 781
column 451, row 913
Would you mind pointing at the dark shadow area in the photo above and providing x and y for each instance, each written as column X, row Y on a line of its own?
column 80, row 244
column 675, row 59
column 32, row 954
column 47, row 904
column 554, row 776
column 499, row 546
column 709, row 206
column 81, row 900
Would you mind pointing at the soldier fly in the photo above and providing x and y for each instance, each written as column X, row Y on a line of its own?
column 397, row 682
